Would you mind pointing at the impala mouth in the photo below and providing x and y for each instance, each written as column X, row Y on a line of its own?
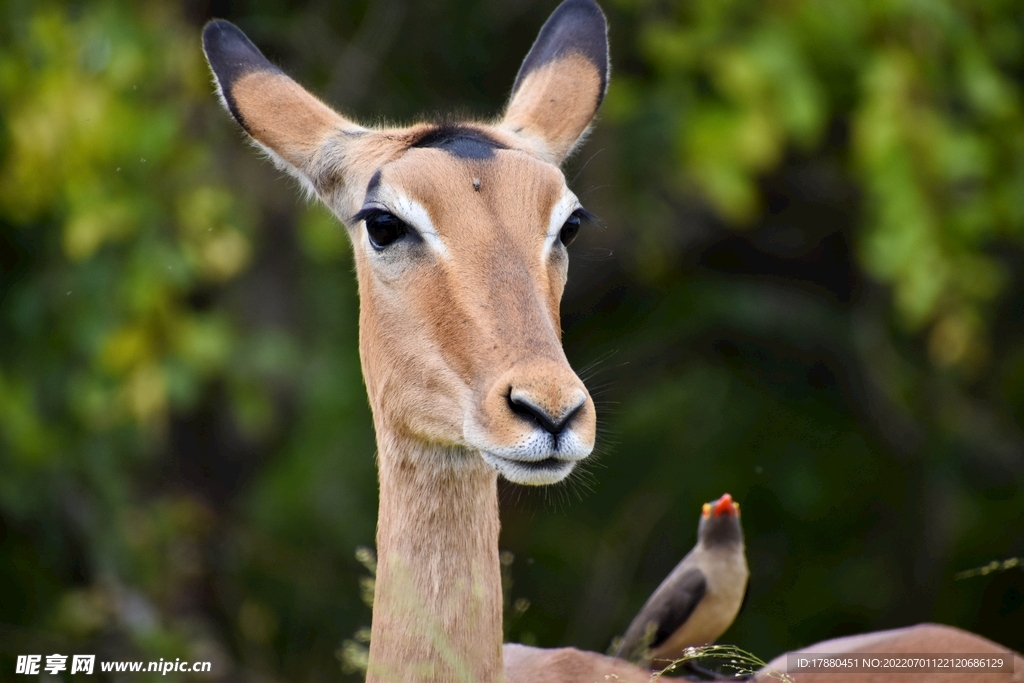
column 549, row 470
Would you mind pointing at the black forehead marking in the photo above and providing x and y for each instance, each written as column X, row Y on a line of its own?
column 460, row 141
column 374, row 183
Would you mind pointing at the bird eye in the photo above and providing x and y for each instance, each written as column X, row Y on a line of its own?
column 570, row 229
column 384, row 228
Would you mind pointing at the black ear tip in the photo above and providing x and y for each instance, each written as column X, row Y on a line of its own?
column 587, row 6
column 582, row 11
column 230, row 52
column 576, row 26
column 219, row 31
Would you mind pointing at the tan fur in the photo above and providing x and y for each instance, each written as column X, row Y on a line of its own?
column 555, row 104
column 525, row 664
column 437, row 604
column 280, row 115
column 444, row 338
column 935, row 639
column 441, row 340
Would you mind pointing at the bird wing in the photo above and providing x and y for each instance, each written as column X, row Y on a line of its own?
column 683, row 597
column 666, row 610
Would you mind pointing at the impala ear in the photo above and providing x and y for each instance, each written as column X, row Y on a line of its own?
column 292, row 125
column 562, row 80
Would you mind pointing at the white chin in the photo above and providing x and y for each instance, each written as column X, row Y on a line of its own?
column 527, row 473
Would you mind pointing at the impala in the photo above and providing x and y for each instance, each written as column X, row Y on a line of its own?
column 459, row 231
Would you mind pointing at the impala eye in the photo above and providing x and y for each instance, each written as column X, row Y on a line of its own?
column 572, row 226
column 384, row 228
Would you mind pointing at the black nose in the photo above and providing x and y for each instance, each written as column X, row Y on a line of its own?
column 552, row 424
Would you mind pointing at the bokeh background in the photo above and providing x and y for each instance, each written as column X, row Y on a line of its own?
column 805, row 289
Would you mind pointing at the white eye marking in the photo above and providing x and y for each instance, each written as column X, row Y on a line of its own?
column 413, row 213
column 560, row 212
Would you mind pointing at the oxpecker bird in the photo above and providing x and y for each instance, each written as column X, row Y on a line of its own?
column 700, row 598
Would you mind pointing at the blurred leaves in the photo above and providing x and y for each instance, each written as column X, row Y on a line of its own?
column 931, row 103
column 807, row 279
column 97, row 145
column 121, row 236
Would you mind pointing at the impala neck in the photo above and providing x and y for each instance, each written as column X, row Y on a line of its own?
column 437, row 613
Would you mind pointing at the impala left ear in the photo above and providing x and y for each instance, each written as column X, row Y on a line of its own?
column 562, row 80
column 300, row 133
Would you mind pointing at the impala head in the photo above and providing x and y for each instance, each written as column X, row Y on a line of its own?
column 460, row 233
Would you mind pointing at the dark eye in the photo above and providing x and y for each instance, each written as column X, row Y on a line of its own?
column 571, row 227
column 384, row 228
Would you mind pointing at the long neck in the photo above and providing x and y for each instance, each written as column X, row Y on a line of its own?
column 437, row 613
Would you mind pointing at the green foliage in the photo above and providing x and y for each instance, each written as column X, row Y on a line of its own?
column 727, row 660
column 928, row 113
column 99, row 345
column 125, row 251
column 354, row 653
column 816, row 212
column 993, row 566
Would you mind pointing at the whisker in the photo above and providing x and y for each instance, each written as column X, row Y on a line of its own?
column 594, row 371
column 595, row 188
column 597, row 361
column 587, row 163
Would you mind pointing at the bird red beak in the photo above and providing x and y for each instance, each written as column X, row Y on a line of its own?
column 725, row 506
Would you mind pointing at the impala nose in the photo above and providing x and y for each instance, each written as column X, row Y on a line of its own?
column 535, row 423
column 552, row 420
column 539, row 414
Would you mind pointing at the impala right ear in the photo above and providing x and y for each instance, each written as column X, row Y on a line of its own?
column 288, row 122
column 562, row 80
